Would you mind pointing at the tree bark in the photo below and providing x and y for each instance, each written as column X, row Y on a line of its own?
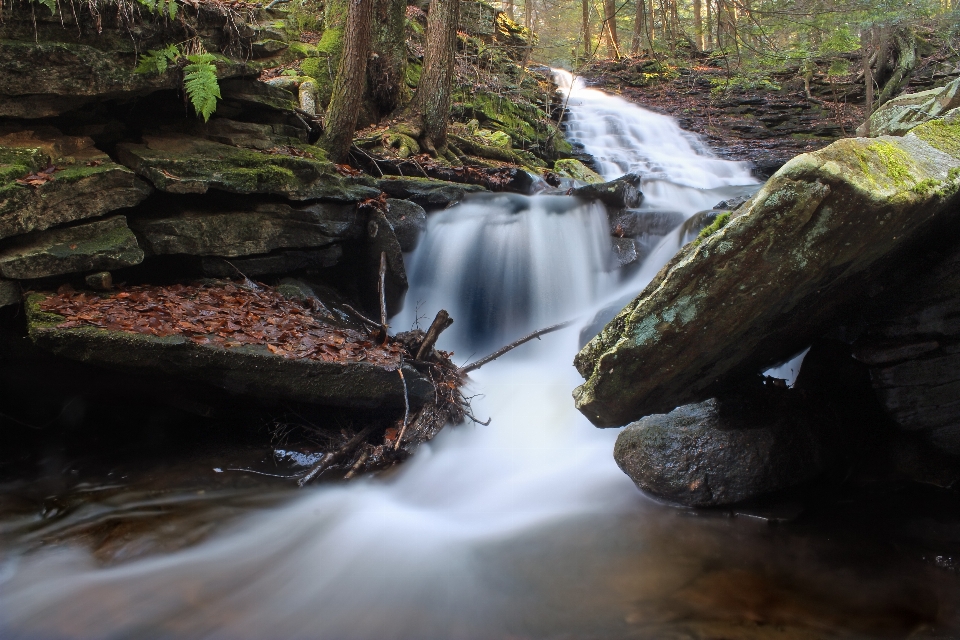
column 347, row 96
column 709, row 24
column 698, row 24
column 906, row 43
column 430, row 109
column 508, row 8
column 386, row 75
column 610, row 24
column 866, row 40
column 587, row 36
column 528, row 14
column 639, row 27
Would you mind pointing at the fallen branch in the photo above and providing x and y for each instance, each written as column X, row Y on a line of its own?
column 406, row 406
column 513, row 345
column 361, row 316
column 328, row 460
column 439, row 324
column 382, row 286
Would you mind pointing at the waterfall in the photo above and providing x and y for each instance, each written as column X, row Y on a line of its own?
column 442, row 548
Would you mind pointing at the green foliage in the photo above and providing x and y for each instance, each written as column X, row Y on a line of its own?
column 199, row 75
column 200, row 83
column 742, row 82
column 161, row 7
column 158, row 60
column 49, row 4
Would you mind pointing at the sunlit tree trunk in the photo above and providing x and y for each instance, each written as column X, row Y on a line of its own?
column 587, row 37
column 639, row 27
column 528, row 14
column 508, row 8
column 709, row 25
column 610, row 25
column 430, row 109
column 347, row 95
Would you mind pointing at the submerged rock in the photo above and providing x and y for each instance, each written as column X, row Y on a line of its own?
column 104, row 244
column 74, row 180
column 704, row 455
column 778, row 274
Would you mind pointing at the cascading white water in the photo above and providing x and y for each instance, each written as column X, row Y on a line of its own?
column 431, row 552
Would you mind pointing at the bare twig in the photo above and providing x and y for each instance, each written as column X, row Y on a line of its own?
column 361, row 316
column 513, row 345
column 406, row 407
column 439, row 324
column 328, row 460
column 382, row 286
column 362, row 460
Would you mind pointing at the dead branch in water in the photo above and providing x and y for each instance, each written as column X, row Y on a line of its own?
column 513, row 345
column 439, row 324
column 329, row 459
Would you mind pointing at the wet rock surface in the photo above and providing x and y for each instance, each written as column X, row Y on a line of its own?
column 719, row 452
column 622, row 193
column 780, row 272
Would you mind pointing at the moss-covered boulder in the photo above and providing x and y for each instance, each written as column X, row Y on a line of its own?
column 576, row 170
column 91, row 246
column 239, row 231
column 77, row 181
column 899, row 115
column 249, row 369
column 780, row 272
column 184, row 164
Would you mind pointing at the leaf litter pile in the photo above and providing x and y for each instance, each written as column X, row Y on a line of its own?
column 221, row 314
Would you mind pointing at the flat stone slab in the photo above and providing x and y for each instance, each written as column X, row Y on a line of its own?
column 781, row 271
column 426, row 192
column 91, row 246
column 183, row 164
column 246, row 369
column 244, row 232
column 85, row 183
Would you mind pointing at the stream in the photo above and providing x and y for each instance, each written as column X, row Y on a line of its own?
column 524, row 528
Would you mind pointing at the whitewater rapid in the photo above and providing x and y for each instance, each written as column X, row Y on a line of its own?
column 428, row 552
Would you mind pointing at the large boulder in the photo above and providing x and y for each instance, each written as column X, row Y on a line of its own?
column 899, row 115
column 709, row 454
column 791, row 261
column 436, row 194
column 91, row 246
column 73, row 180
column 183, row 164
column 622, row 193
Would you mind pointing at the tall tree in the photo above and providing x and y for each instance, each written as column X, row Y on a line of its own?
column 698, row 23
column 386, row 74
column 587, row 39
column 508, row 8
column 610, row 28
column 347, row 95
column 429, row 111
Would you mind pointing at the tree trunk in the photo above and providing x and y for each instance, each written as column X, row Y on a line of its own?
column 347, row 96
column 906, row 43
column 650, row 33
column 430, row 109
column 639, row 27
column 698, row 23
column 610, row 23
column 528, row 14
column 866, row 40
column 388, row 67
column 508, row 8
column 709, row 24
column 587, row 37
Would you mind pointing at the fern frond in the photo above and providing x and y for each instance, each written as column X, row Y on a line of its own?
column 172, row 9
column 200, row 83
column 49, row 4
column 157, row 61
column 151, row 5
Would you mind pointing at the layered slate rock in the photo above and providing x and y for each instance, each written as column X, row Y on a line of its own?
column 9, row 293
column 183, row 164
column 76, row 181
column 912, row 347
column 91, row 246
column 705, row 455
column 246, row 231
column 276, row 263
column 430, row 194
column 901, row 114
column 247, row 369
column 783, row 269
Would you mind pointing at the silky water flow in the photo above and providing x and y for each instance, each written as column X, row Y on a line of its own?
column 522, row 528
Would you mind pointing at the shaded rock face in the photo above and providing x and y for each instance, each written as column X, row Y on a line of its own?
column 104, row 244
column 85, row 184
column 408, row 220
column 788, row 264
column 258, row 229
column 429, row 194
column 912, row 347
column 381, row 239
column 899, row 115
column 622, row 193
column 711, row 454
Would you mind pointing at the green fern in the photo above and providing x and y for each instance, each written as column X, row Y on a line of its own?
column 171, row 9
column 158, row 60
column 200, row 83
column 49, row 4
